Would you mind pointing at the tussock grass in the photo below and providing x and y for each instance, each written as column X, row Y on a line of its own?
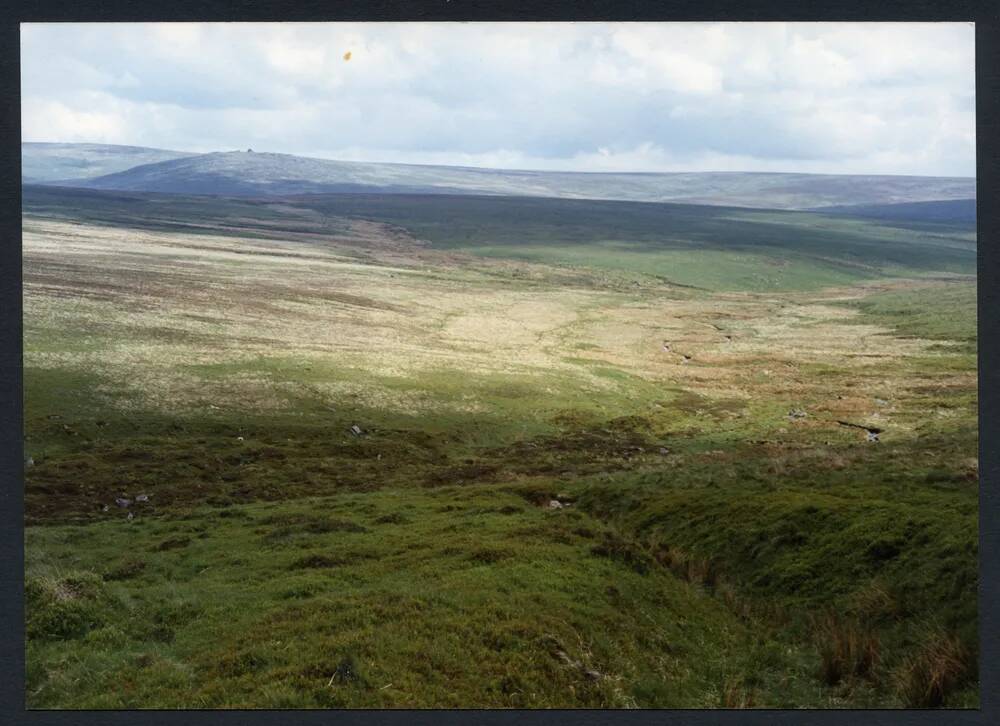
column 847, row 648
column 927, row 678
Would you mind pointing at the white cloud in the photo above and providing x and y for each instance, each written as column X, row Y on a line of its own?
column 879, row 98
column 68, row 124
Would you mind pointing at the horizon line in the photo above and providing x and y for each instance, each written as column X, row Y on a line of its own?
column 498, row 168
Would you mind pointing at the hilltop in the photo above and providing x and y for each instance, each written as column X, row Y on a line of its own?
column 246, row 173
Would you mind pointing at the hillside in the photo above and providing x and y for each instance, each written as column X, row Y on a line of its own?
column 350, row 451
column 949, row 211
column 46, row 163
column 716, row 248
column 266, row 174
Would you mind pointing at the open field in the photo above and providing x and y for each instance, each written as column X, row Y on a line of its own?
column 673, row 376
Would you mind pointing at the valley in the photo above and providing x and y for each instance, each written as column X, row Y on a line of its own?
column 433, row 450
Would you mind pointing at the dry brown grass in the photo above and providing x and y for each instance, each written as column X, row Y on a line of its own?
column 847, row 648
column 176, row 299
column 736, row 695
column 927, row 678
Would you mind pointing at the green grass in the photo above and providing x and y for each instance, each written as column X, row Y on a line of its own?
column 710, row 269
column 376, row 600
column 940, row 312
column 720, row 248
column 300, row 535
column 713, row 553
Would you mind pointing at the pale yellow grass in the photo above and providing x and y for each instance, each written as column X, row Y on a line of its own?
column 143, row 307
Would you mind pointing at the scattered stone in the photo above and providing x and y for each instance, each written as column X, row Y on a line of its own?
column 797, row 414
column 881, row 402
column 555, row 504
column 142, row 498
column 356, row 430
column 239, row 438
column 873, row 436
column 664, row 450
column 686, row 358
column 666, row 347
column 593, row 675
column 105, row 508
column 123, row 503
column 29, row 462
column 130, row 516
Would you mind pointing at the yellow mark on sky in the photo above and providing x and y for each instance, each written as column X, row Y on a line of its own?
column 347, row 55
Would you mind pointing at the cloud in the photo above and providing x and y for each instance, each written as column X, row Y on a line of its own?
column 877, row 98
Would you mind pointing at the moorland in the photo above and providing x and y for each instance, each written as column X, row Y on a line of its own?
column 439, row 450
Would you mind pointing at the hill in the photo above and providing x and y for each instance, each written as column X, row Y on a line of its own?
column 717, row 248
column 949, row 211
column 344, row 451
column 267, row 174
column 46, row 163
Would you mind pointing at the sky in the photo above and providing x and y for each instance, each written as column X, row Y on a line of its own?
column 852, row 98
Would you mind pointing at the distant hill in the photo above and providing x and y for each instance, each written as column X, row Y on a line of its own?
column 46, row 163
column 948, row 211
column 267, row 174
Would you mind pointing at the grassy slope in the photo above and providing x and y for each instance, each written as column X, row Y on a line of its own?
column 328, row 566
column 402, row 598
column 717, row 248
column 936, row 313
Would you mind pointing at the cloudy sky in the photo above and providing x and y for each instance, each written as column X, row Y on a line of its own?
column 894, row 98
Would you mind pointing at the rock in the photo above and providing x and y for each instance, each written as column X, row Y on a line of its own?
column 130, row 516
column 356, row 430
column 664, row 450
column 29, row 462
column 105, row 508
column 239, row 438
column 881, row 402
column 593, row 675
column 122, row 502
column 797, row 414
column 142, row 498
column 873, row 436
column 555, row 504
